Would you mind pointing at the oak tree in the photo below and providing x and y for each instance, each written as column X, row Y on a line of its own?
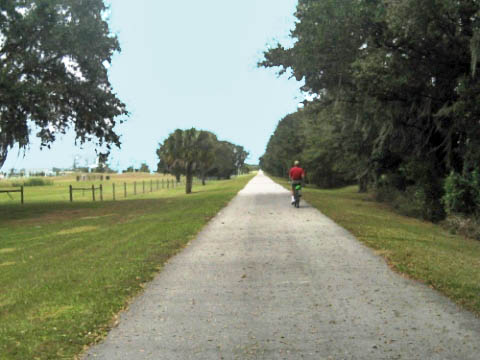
column 53, row 73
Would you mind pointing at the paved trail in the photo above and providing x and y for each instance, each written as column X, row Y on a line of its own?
column 267, row 281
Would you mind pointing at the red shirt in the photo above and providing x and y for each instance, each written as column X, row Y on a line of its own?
column 296, row 173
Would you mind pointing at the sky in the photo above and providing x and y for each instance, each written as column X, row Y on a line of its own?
column 187, row 64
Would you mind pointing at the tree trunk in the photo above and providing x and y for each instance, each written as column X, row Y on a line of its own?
column 189, row 179
column 203, row 179
column 177, row 176
column 363, row 183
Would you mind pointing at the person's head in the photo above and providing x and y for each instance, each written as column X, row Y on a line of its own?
column 296, row 163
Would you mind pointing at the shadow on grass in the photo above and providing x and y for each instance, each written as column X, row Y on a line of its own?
column 60, row 210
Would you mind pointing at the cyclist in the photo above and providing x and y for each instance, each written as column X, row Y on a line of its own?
column 296, row 175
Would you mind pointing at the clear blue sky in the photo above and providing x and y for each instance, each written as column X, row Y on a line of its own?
column 189, row 64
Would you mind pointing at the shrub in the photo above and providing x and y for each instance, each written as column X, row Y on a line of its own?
column 410, row 202
column 468, row 226
column 416, row 201
column 462, row 193
column 385, row 193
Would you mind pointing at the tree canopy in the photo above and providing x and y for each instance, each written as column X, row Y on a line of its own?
column 396, row 91
column 53, row 75
column 198, row 152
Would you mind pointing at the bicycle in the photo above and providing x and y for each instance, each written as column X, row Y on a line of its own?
column 297, row 194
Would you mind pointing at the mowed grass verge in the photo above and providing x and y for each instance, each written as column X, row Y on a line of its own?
column 418, row 249
column 67, row 269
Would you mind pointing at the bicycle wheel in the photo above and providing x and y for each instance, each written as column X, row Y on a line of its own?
column 297, row 199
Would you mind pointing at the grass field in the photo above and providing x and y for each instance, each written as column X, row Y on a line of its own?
column 59, row 191
column 67, row 268
column 418, row 249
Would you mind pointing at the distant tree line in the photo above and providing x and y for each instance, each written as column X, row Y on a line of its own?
column 143, row 169
column 252, row 167
column 396, row 100
column 199, row 153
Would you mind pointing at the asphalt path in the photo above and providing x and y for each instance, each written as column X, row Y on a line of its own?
column 264, row 280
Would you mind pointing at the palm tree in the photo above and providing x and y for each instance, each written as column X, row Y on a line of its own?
column 188, row 150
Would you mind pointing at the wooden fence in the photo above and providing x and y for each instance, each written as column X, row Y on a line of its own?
column 142, row 188
column 93, row 189
column 15, row 191
column 97, row 193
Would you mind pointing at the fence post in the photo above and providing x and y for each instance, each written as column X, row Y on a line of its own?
column 21, row 194
column 151, row 185
column 168, row 183
column 125, row 189
column 71, row 193
column 158, row 183
column 163, row 183
column 113, row 187
column 143, row 185
column 135, row 188
column 93, row 192
column 101, row 192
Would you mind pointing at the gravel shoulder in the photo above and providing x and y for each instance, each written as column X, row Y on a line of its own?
column 264, row 280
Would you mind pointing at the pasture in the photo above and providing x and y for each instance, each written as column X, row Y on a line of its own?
column 66, row 269
column 58, row 188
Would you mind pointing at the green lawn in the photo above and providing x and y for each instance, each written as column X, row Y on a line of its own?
column 67, row 269
column 59, row 190
column 421, row 250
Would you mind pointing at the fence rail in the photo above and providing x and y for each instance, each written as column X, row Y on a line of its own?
column 20, row 190
column 92, row 189
column 143, row 187
column 98, row 191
